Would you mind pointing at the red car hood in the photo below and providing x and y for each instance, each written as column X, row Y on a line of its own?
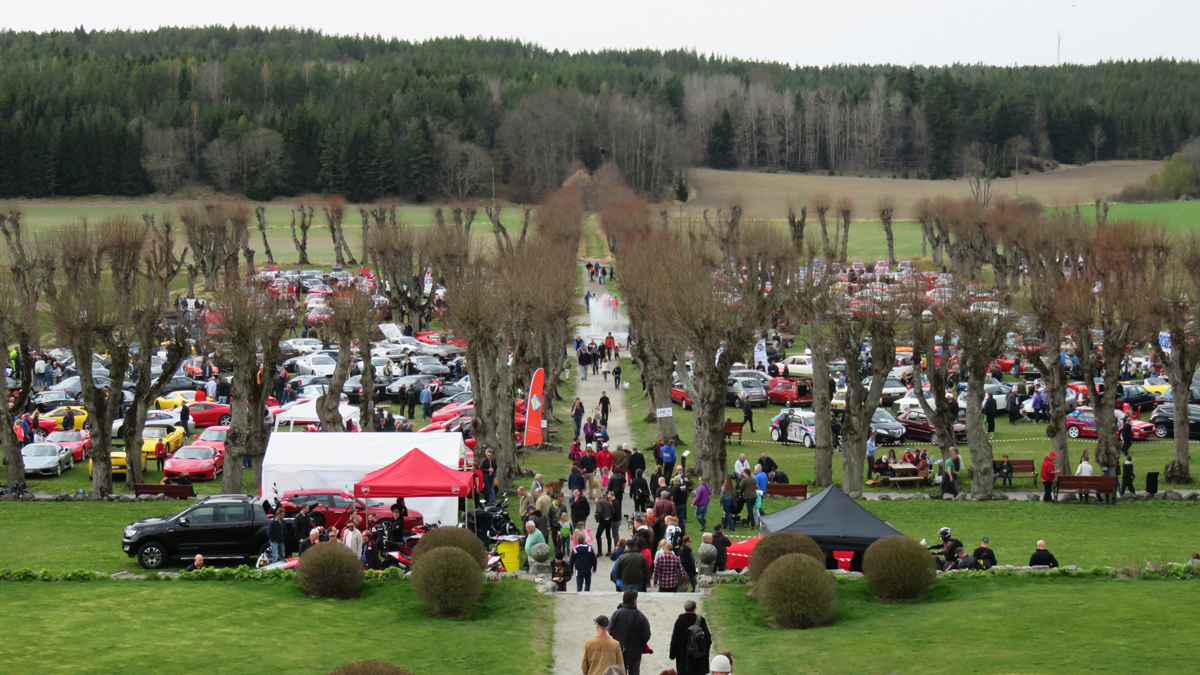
column 187, row 464
column 216, row 445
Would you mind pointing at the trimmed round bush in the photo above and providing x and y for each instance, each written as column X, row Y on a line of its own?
column 798, row 592
column 899, row 568
column 330, row 570
column 455, row 537
column 778, row 544
column 447, row 581
column 370, row 668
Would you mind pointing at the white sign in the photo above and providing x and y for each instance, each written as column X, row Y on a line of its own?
column 665, row 412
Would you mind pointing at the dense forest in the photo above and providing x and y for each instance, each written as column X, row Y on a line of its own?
column 283, row 112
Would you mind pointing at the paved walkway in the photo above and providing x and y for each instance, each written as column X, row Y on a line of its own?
column 575, row 611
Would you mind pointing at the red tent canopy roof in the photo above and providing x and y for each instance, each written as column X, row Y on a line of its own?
column 416, row 474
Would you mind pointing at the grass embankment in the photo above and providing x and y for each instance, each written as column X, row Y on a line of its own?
column 1004, row 624
column 243, row 628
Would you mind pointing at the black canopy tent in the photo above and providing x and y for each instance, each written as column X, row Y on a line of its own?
column 833, row 520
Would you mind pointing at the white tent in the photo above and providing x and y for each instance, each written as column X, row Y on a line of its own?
column 306, row 413
column 301, row 461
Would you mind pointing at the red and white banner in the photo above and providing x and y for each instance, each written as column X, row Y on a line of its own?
column 533, row 409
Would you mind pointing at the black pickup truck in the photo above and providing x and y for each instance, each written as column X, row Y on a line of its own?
column 220, row 527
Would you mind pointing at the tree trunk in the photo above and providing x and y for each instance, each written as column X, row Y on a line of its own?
column 211, row 277
column 147, row 389
column 825, row 249
column 823, row 458
column 655, row 359
column 1181, row 364
column 493, row 426
column 708, row 418
column 861, row 403
column 260, row 213
column 366, row 229
column 192, row 273
column 366, row 401
column 327, row 403
column 981, row 449
column 939, row 412
column 238, row 437
column 845, row 238
column 14, row 462
column 891, row 245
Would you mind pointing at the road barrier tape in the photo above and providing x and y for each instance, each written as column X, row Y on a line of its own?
column 994, row 440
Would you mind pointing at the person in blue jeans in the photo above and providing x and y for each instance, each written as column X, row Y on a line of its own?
column 667, row 452
column 488, row 468
column 728, row 494
column 426, row 403
column 583, row 559
column 277, row 536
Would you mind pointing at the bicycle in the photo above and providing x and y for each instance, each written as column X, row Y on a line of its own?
column 18, row 490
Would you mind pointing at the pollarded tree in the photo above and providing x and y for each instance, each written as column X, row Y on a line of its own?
column 1179, row 289
column 351, row 317
column 216, row 234
column 845, row 209
column 20, row 291
column 306, row 212
column 796, row 227
column 335, row 212
column 260, row 216
column 821, row 203
column 887, row 209
column 926, row 213
column 927, row 321
column 251, row 324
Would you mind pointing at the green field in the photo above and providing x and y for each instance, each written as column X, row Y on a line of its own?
column 1008, row 625
column 242, row 628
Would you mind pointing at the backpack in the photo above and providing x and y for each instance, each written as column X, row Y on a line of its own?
column 697, row 641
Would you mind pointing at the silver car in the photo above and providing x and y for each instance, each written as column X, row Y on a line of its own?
column 739, row 387
column 46, row 459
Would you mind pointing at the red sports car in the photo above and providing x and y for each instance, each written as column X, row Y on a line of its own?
column 333, row 508
column 213, row 437
column 436, row 338
column 197, row 462
column 208, row 413
column 78, row 442
column 681, row 397
column 1081, row 423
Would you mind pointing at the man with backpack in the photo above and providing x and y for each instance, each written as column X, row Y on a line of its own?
column 690, row 642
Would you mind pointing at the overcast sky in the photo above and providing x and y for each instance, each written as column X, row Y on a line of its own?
column 931, row 32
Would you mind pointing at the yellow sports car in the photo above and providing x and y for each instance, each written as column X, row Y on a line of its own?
column 174, row 400
column 172, row 437
column 80, row 416
column 1154, row 385
column 118, row 462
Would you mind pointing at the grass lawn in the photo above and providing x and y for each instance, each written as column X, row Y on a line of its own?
column 998, row 625
column 242, row 628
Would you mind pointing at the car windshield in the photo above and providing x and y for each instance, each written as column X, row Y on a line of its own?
column 213, row 435
column 194, row 453
column 65, row 436
column 322, row 361
column 40, row 450
column 882, row 416
column 154, row 433
column 893, row 384
column 808, row 419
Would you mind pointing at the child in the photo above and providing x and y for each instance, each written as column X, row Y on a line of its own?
column 560, row 573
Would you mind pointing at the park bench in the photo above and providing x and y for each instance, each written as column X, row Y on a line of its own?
column 794, row 490
column 1022, row 468
column 921, row 478
column 551, row 432
column 171, row 491
column 733, row 429
column 1086, row 485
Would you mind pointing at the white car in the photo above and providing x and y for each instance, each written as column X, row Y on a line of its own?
column 154, row 417
column 1072, row 403
column 304, row 345
column 314, row 301
column 315, row 364
column 893, row 391
column 797, row 365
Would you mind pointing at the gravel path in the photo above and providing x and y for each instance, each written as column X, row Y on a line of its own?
column 575, row 611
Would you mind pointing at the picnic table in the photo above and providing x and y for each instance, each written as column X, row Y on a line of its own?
column 906, row 473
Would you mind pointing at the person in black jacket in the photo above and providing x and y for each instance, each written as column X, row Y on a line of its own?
column 580, row 508
column 1126, row 436
column 688, row 559
column 989, row 411
column 722, row 544
column 277, row 536
column 1042, row 557
column 639, row 489
column 411, row 398
column 985, row 555
column 631, row 628
column 637, row 462
column 685, row 663
column 223, row 391
column 301, row 524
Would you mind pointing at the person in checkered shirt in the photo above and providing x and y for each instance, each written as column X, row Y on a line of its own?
column 668, row 570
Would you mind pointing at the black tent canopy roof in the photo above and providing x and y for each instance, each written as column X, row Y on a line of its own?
column 833, row 520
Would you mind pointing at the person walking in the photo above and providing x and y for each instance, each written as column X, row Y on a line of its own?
column 604, row 517
column 583, row 560
column 1127, row 477
column 700, row 500
column 747, row 412
column 1126, row 435
column 585, row 360
column 411, row 398
column 277, row 536
column 668, row 570
column 616, row 373
column 631, row 628
column 601, row 652
column 690, row 642
column 668, row 457
column 728, row 494
column 1014, row 406
column 426, row 403
column 605, row 406
column 577, row 412
column 989, row 411
column 184, row 418
column 488, row 467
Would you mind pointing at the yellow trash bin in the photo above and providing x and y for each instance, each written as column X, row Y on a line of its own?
column 510, row 553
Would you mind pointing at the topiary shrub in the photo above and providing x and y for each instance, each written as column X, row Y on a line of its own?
column 447, row 581
column 898, row 568
column 370, row 668
column 455, row 537
column 330, row 570
column 778, row 544
column 798, row 592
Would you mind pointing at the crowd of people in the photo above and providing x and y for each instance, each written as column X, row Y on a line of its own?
column 953, row 554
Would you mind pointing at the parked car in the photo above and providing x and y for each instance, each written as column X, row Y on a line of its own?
column 171, row 436
column 797, row 365
column 752, row 374
column 304, row 345
column 213, row 437
column 1155, row 385
column 208, row 413
column 118, row 460
column 801, row 427
column 429, row 365
column 221, row 527
column 179, row 383
column 737, row 388
column 156, row 417
column 195, row 462
column 353, row 388
column 46, row 459
column 45, row 401
column 1163, row 419
column 1168, row 396
column 332, row 508
column 315, row 364
column 1081, row 423
column 79, row 412
column 77, row 442
column 789, row 392
column 886, row 429
column 408, row 381
column 679, row 395
column 174, row 400
column 1133, row 399
column 893, row 390
column 917, row 427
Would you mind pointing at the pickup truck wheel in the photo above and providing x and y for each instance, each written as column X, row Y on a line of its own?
column 152, row 556
column 318, row 519
column 225, row 420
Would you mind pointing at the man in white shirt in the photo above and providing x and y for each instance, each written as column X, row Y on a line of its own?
column 210, row 388
column 741, row 465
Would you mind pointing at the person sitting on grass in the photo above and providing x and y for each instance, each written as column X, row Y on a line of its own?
column 1041, row 557
column 984, row 554
column 197, row 563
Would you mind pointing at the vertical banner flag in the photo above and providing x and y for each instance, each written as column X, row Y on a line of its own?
column 533, row 408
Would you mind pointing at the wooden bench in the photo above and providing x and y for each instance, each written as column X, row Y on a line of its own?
column 921, row 478
column 1081, row 485
column 551, row 431
column 1022, row 468
column 794, row 490
column 171, row 491
column 733, row 429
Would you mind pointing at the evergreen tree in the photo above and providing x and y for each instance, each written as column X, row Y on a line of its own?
column 419, row 161
column 941, row 118
column 720, row 145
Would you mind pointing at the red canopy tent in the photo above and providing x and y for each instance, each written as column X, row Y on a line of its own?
column 416, row 474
